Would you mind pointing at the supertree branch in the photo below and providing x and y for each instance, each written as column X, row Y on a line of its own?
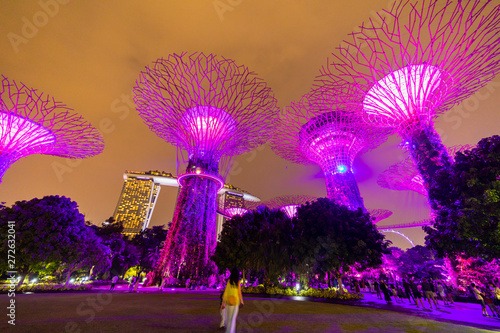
column 210, row 107
column 287, row 203
column 34, row 123
column 205, row 103
column 321, row 129
column 404, row 175
column 379, row 214
column 420, row 60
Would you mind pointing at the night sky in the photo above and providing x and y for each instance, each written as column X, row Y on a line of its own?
column 88, row 54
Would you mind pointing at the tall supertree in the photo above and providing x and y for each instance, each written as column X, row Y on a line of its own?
column 320, row 129
column 34, row 123
column 404, row 175
column 423, row 58
column 211, row 108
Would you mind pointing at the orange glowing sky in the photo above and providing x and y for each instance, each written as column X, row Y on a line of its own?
column 88, row 55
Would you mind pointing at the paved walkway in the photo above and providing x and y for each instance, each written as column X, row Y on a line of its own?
column 458, row 313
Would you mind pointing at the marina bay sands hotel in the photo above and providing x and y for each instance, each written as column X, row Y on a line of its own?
column 140, row 192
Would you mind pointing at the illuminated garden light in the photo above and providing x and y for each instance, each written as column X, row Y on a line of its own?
column 212, row 109
column 34, row 123
column 322, row 129
column 422, row 59
column 233, row 211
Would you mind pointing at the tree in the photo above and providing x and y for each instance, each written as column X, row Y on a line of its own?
column 466, row 198
column 475, row 270
column 419, row 262
column 148, row 243
column 333, row 238
column 259, row 240
column 43, row 228
column 86, row 252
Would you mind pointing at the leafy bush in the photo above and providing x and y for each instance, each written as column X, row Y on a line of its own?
column 328, row 293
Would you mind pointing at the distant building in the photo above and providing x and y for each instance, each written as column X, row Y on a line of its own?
column 231, row 201
column 138, row 198
column 140, row 192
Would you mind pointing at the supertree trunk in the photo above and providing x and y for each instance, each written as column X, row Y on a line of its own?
column 342, row 188
column 428, row 152
column 191, row 238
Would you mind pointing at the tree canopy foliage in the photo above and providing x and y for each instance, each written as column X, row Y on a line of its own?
column 466, row 198
column 324, row 238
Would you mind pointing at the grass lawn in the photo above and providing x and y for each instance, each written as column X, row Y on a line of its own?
column 165, row 312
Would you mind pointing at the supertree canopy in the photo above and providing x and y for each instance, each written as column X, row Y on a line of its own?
column 321, row 130
column 34, row 123
column 379, row 214
column 422, row 59
column 404, row 175
column 209, row 107
column 287, row 203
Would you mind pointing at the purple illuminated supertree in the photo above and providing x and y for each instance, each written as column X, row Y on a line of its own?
column 422, row 59
column 404, row 175
column 211, row 108
column 287, row 203
column 320, row 129
column 379, row 214
column 34, row 123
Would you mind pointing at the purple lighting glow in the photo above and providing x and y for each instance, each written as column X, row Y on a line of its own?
column 423, row 58
column 34, row 123
column 212, row 109
column 399, row 96
column 323, row 130
column 404, row 175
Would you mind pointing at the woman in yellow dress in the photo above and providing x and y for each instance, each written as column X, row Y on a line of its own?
column 232, row 299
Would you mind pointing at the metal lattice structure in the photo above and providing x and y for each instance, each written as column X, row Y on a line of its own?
column 35, row 123
column 422, row 59
column 209, row 107
column 379, row 214
column 321, row 129
column 421, row 223
column 404, row 175
column 288, row 203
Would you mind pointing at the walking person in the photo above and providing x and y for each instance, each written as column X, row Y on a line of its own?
column 442, row 293
column 231, row 300
column 356, row 286
column 489, row 299
column 222, row 324
column 416, row 293
column 385, row 290
column 429, row 294
column 376, row 286
column 408, row 293
column 114, row 280
column 395, row 292
column 479, row 297
column 131, row 284
column 450, row 293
